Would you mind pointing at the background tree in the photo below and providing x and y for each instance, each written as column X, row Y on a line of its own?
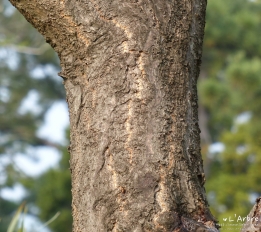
column 51, row 193
column 28, row 68
column 230, row 90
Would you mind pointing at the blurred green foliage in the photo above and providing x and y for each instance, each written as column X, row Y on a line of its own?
column 51, row 192
column 14, row 225
column 28, row 69
column 229, row 89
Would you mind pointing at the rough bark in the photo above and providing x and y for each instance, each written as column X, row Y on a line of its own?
column 130, row 70
column 253, row 220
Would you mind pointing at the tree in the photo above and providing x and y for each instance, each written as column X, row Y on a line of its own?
column 130, row 71
column 229, row 90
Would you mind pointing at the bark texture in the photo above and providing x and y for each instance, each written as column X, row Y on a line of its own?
column 253, row 220
column 130, row 70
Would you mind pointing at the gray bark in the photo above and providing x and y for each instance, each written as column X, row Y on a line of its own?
column 130, row 70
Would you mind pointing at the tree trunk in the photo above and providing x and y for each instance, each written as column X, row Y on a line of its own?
column 253, row 219
column 130, row 70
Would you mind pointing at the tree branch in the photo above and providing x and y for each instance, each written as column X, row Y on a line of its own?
column 52, row 19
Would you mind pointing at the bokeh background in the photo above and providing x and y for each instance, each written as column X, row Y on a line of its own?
column 34, row 162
